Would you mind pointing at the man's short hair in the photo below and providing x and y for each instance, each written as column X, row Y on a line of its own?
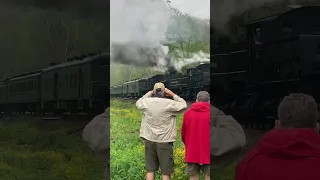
column 298, row 111
column 203, row 96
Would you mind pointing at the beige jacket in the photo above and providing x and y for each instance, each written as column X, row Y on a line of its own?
column 159, row 117
column 227, row 139
column 97, row 135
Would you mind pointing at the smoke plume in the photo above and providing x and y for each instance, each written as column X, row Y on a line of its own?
column 221, row 10
column 137, row 28
column 196, row 57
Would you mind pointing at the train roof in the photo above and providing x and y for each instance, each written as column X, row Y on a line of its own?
column 130, row 81
column 264, row 19
column 116, row 85
column 76, row 62
column 134, row 80
column 291, row 9
column 157, row 75
column 25, row 75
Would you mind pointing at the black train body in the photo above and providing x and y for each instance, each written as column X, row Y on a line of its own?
column 185, row 85
column 249, row 80
column 79, row 85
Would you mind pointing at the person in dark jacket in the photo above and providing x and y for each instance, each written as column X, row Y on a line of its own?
column 97, row 135
column 291, row 150
column 227, row 139
column 195, row 134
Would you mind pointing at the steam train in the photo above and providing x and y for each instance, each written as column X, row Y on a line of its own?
column 185, row 85
column 281, row 55
column 79, row 85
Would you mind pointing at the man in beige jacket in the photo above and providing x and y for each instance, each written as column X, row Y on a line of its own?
column 97, row 135
column 158, row 129
column 227, row 139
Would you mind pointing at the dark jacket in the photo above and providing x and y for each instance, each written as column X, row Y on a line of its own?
column 292, row 154
column 97, row 135
column 195, row 133
column 227, row 139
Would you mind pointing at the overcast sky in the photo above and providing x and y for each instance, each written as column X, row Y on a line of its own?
column 197, row 8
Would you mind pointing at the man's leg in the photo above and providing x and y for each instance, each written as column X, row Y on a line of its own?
column 206, row 171
column 151, row 159
column 193, row 170
column 150, row 176
column 166, row 160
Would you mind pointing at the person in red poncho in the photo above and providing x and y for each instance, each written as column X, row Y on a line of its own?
column 291, row 151
column 195, row 134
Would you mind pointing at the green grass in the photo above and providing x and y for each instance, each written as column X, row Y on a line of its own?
column 38, row 150
column 127, row 150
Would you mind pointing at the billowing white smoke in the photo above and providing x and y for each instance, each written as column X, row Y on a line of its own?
column 137, row 28
column 195, row 58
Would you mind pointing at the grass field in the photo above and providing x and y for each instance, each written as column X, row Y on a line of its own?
column 38, row 150
column 127, row 150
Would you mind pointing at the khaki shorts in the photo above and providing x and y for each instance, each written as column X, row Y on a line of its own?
column 193, row 169
column 159, row 154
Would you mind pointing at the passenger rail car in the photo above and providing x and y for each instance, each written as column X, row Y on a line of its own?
column 185, row 85
column 281, row 55
column 79, row 85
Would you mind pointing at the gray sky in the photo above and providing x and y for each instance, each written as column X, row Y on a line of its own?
column 197, row 8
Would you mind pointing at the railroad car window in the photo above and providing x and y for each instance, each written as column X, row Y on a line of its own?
column 45, row 85
column 67, row 81
column 29, row 87
column 76, row 80
column 71, row 80
column 1, row 91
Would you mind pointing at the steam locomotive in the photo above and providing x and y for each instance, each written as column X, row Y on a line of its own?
column 185, row 85
column 281, row 55
column 79, row 85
